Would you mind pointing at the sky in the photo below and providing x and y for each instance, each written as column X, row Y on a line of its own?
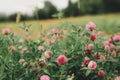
column 27, row 6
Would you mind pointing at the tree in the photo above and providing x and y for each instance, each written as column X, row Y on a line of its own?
column 71, row 10
column 12, row 17
column 47, row 11
column 111, row 5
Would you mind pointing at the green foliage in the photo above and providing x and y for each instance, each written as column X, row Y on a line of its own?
column 71, row 10
column 46, row 12
column 25, row 27
column 58, row 15
column 69, row 40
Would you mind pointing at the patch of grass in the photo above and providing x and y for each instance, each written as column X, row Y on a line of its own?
column 109, row 23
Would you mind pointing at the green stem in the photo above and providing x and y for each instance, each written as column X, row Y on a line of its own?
column 62, row 69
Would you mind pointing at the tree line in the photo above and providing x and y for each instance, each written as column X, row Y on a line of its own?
column 82, row 7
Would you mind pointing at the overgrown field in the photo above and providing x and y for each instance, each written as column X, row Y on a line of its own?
column 109, row 23
column 65, row 52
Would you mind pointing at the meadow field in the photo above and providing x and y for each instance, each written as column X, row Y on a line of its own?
column 61, row 49
column 109, row 23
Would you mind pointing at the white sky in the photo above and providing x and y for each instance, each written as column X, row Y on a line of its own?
column 27, row 6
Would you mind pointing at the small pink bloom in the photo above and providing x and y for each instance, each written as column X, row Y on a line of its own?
column 21, row 61
column 103, row 57
column 90, row 26
column 41, row 48
column 43, row 63
column 101, row 73
column 61, row 60
column 106, row 43
column 116, row 38
column 37, row 73
column 93, row 37
column 49, row 33
column 112, row 47
column 113, row 54
column 49, row 41
column 13, row 48
column 52, row 41
column 107, row 48
column 110, row 41
column 90, row 46
column 86, row 60
column 92, row 65
column 100, row 33
column 83, row 64
column 6, row 31
column 44, row 77
column 118, row 48
column 30, row 70
column 24, row 49
column 29, row 38
column 55, row 31
column 97, row 54
column 48, row 54
column 117, row 78
column 87, row 51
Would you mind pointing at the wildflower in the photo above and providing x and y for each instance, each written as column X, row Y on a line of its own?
column 88, row 51
column 55, row 31
column 112, row 47
column 93, row 37
column 110, row 40
column 117, row 78
column 116, row 38
column 101, row 73
column 21, row 61
column 43, row 63
column 90, row 26
column 118, row 48
column 29, row 38
column 97, row 54
column 107, row 48
column 92, row 65
column 61, row 60
column 24, row 49
column 30, row 70
column 41, row 48
column 113, row 54
column 100, row 33
column 37, row 73
column 86, row 60
column 6, row 31
column 49, row 41
column 102, row 57
column 105, row 43
column 48, row 54
column 44, row 77
column 12, row 48
column 90, row 46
